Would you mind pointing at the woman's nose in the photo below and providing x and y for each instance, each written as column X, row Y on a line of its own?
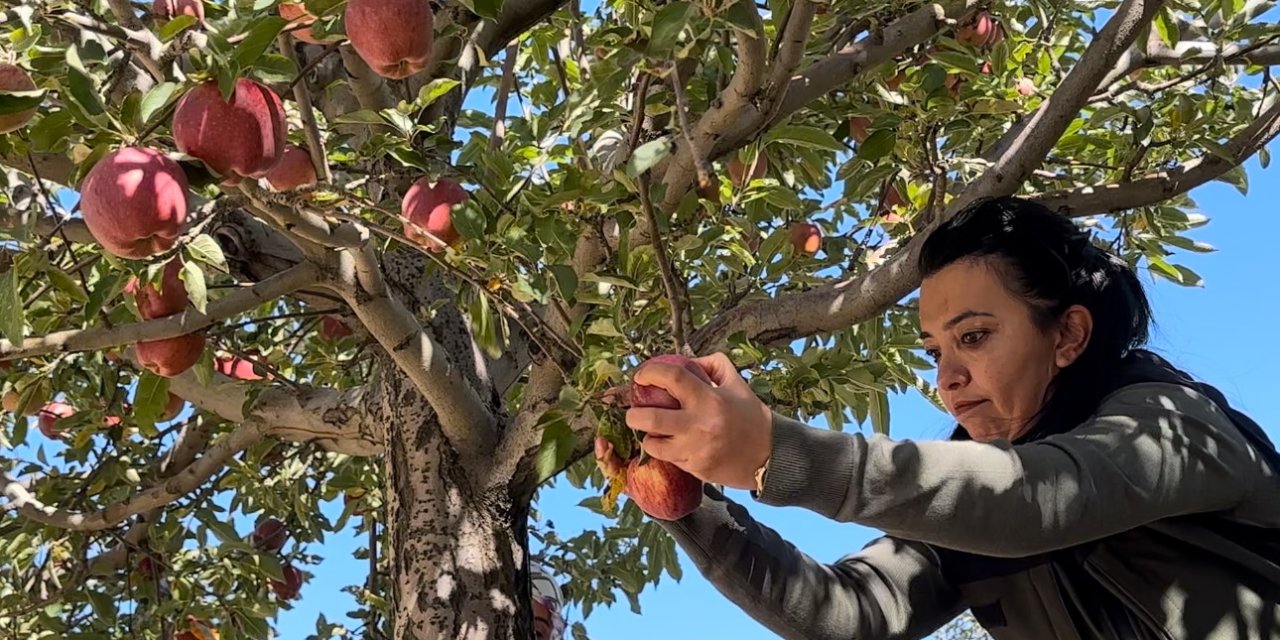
column 952, row 375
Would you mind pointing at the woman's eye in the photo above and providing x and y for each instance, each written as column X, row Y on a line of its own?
column 973, row 337
column 933, row 354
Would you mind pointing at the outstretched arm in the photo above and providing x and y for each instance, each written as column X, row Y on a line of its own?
column 891, row 589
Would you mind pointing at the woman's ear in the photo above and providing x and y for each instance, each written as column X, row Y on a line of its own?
column 1075, row 328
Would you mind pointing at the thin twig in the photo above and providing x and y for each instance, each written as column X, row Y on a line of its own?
column 306, row 110
column 312, row 65
column 700, row 163
column 675, row 290
column 637, row 110
column 504, row 95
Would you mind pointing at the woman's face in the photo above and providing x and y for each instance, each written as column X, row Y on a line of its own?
column 994, row 363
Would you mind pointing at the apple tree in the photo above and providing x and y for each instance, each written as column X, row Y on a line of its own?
column 261, row 256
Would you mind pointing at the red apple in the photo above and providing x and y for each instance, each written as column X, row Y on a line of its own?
column 134, row 202
column 15, row 78
column 171, row 356
column 859, row 128
column 1026, row 86
column 394, row 37
column 241, row 138
column 661, row 489
column 738, row 170
column 431, row 208
column 51, row 415
column 295, row 170
column 291, row 586
column 171, row 298
column 643, row 395
column 982, row 30
column 333, row 329
column 237, row 367
column 806, row 237
column 165, row 10
column 149, row 567
column 270, row 535
column 172, row 408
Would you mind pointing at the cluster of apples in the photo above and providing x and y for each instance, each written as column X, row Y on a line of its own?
column 269, row 536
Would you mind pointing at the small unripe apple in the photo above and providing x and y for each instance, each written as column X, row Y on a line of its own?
column 1026, row 86
column 859, row 128
column 298, row 16
column 165, row 10
column 237, row 367
column 982, row 31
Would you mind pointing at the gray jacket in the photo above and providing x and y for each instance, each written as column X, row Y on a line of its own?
column 1157, row 517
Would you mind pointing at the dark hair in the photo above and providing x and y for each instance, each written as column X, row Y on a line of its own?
column 1052, row 264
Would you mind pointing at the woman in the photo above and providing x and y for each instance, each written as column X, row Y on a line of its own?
column 1090, row 490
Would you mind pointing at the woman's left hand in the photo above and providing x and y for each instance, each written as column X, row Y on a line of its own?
column 721, row 434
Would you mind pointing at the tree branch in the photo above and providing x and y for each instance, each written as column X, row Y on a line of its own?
column 847, row 64
column 171, row 489
column 466, row 421
column 306, row 110
column 1087, row 201
column 1023, row 148
column 189, row 321
column 291, row 217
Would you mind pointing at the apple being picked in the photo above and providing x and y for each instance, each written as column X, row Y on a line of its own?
column 661, row 489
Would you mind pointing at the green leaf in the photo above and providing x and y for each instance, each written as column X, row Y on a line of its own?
column 410, row 158
column 880, row 412
column 51, row 130
column 275, row 68
column 604, row 327
column 204, row 368
column 15, row 101
column 66, row 284
column 668, row 22
column 648, row 155
column 1167, row 27
column 193, row 277
column 80, row 85
column 271, row 566
column 205, row 249
column 223, row 530
column 321, row 8
column 469, row 219
column 11, row 315
column 156, row 99
column 435, row 90
column 175, row 26
column 877, row 145
column 149, row 401
column 487, row 9
column 566, row 281
column 258, row 39
column 555, row 449
column 811, row 137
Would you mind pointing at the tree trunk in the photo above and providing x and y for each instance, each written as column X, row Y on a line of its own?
column 458, row 559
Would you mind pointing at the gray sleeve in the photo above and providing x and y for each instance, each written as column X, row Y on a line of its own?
column 1151, row 451
column 892, row 589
